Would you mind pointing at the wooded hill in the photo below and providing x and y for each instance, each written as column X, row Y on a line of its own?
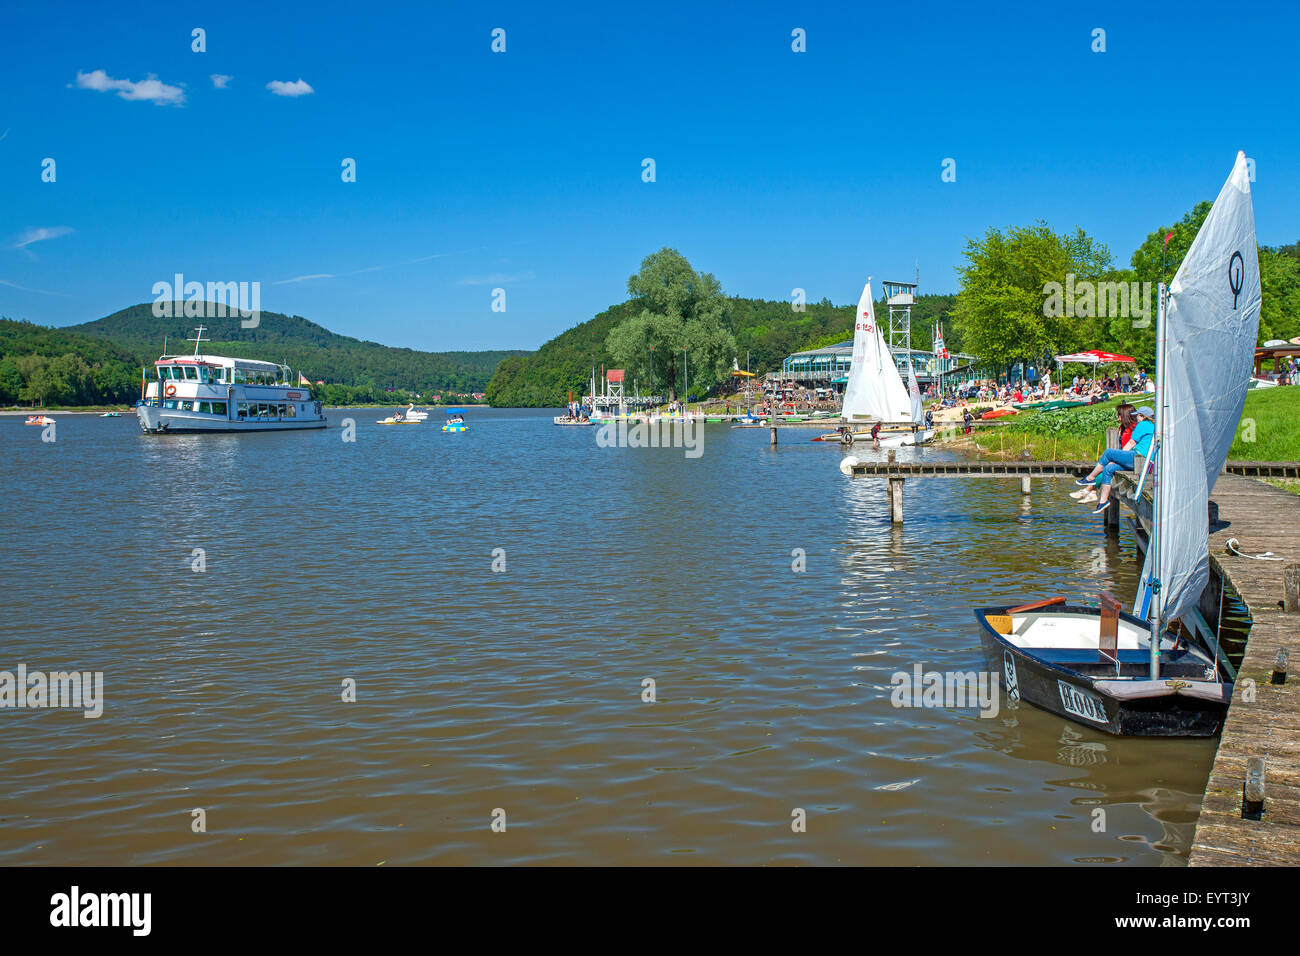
column 294, row 341
column 61, row 367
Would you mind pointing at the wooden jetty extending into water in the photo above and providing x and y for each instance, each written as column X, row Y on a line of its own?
column 1026, row 470
column 1250, row 814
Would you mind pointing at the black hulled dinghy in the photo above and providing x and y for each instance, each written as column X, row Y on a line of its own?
column 1159, row 671
column 1094, row 668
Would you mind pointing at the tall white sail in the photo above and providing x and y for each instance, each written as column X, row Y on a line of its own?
column 1207, row 355
column 875, row 389
column 914, row 395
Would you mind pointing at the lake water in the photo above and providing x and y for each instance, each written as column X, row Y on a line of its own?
column 520, row 690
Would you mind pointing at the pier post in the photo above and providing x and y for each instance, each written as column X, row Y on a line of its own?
column 1024, row 485
column 1279, row 666
column 773, row 432
column 1291, row 588
column 1110, row 517
column 895, row 499
column 1252, row 791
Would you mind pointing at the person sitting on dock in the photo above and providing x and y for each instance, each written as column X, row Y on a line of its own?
column 1127, row 419
column 1122, row 459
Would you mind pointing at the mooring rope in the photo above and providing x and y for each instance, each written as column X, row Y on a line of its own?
column 1234, row 545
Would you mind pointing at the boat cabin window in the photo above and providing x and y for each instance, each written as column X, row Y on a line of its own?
column 218, row 408
column 191, row 373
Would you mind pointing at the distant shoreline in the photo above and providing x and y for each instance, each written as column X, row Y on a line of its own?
column 100, row 409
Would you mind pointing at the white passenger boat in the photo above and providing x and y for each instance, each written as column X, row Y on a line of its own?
column 213, row 393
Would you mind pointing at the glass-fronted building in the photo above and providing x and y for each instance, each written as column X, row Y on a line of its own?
column 829, row 366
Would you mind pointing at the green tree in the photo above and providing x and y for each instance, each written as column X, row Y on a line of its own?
column 1279, row 311
column 683, row 314
column 1002, row 312
column 1153, row 263
column 11, row 381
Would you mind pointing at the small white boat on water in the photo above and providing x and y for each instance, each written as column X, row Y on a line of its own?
column 39, row 420
column 414, row 414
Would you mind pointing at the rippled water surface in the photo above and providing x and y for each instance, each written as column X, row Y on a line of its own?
column 521, row 690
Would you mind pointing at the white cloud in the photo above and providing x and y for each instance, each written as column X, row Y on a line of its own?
column 497, row 278
column 23, row 288
column 297, row 88
column 315, row 275
column 40, row 234
column 151, row 89
column 221, row 80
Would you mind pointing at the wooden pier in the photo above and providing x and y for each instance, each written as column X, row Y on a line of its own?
column 1026, row 470
column 1042, row 469
column 1250, row 814
column 1261, row 735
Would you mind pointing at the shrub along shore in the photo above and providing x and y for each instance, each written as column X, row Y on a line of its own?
column 1267, row 432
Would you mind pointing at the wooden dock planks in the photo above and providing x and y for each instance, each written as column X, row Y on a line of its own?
column 1261, row 518
column 1264, row 718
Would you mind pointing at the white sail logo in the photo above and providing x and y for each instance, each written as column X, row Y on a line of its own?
column 1236, row 276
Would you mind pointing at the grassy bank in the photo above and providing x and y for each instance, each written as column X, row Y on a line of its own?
column 1270, row 426
column 1269, row 431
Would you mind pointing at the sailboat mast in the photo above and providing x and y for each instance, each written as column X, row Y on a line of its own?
column 1157, row 440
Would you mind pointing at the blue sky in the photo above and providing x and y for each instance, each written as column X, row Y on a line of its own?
column 522, row 170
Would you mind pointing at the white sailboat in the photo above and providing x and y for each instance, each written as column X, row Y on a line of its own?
column 1126, row 673
column 875, row 391
column 918, row 409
